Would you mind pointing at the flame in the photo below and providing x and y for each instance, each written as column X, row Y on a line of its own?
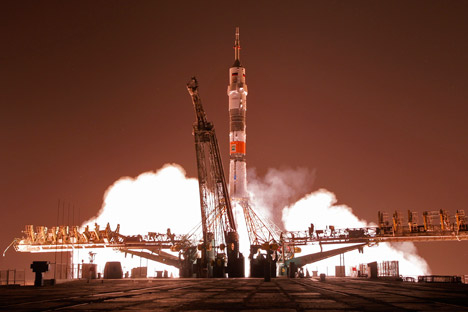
column 244, row 244
column 167, row 198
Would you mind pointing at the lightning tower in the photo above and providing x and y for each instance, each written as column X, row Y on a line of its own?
column 237, row 92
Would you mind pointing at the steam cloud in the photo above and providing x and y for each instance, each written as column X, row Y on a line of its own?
column 156, row 201
column 152, row 202
column 277, row 189
column 321, row 209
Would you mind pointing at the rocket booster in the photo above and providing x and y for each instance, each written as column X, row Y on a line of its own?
column 237, row 92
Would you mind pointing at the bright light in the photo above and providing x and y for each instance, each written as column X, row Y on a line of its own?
column 151, row 202
column 320, row 208
column 156, row 201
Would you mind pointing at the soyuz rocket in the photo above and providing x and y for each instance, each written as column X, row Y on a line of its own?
column 237, row 92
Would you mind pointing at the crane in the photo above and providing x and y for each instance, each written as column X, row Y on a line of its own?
column 220, row 245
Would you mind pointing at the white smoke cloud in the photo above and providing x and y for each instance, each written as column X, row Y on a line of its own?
column 151, row 202
column 320, row 208
column 155, row 201
column 277, row 189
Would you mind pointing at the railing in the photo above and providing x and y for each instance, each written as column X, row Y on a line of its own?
column 12, row 277
column 372, row 235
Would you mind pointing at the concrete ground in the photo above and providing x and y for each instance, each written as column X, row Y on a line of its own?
column 281, row 294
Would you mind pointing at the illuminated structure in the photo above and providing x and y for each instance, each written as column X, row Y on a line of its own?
column 220, row 239
column 152, row 246
column 237, row 92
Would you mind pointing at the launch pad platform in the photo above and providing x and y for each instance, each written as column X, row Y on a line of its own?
column 237, row 294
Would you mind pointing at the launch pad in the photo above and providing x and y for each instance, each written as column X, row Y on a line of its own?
column 240, row 294
column 216, row 252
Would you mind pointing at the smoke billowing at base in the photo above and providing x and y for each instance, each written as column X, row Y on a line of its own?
column 168, row 199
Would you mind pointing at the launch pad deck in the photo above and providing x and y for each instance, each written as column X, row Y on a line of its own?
column 240, row 294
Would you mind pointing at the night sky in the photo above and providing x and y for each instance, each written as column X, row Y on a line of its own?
column 372, row 95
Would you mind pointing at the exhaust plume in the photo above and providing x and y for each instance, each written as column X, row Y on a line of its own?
column 151, row 202
column 278, row 189
column 156, row 201
column 321, row 209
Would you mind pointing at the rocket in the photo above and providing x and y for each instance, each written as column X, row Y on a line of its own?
column 237, row 92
